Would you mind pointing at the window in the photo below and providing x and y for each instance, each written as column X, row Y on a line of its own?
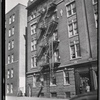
column 10, row 20
column 9, row 32
column 13, row 18
column 42, row 94
column 12, row 58
column 72, row 28
column 12, row 43
column 53, row 94
column 12, row 73
column 71, row 9
column 55, row 36
column 34, row 81
column 8, row 88
column 56, row 56
column 9, row 59
column 33, row 29
column 33, row 45
column 9, row 45
column 94, row 1
column 13, row 30
column 75, row 49
column 67, row 94
column 53, row 81
column 11, row 88
column 66, row 77
column 33, row 62
column 8, row 73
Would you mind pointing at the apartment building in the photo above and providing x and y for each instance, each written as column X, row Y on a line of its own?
column 61, row 47
column 16, row 22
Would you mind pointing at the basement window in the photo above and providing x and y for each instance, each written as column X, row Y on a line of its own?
column 67, row 94
column 53, row 94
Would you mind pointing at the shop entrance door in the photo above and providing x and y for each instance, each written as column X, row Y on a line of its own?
column 84, row 82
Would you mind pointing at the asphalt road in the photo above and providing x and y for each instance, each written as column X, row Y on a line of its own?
column 31, row 98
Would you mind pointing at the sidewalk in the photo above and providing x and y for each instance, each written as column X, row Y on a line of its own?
column 31, row 98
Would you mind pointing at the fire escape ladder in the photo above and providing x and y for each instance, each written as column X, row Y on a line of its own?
column 51, row 60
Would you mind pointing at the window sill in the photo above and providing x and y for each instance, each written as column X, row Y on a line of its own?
column 73, row 35
column 33, row 50
column 53, row 85
column 67, row 84
column 75, row 58
column 71, row 15
column 33, row 34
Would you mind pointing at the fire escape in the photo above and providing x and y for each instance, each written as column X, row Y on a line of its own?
column 48, row 53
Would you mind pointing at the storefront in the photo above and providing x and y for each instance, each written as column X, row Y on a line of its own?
column 86, row 78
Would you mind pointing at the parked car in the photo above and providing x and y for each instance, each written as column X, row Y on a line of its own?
column 86, row 96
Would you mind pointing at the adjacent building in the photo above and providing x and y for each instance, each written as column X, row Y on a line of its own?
column 61, row 47
column 16, row 22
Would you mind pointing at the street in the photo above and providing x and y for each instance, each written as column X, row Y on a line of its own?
column 30, row 98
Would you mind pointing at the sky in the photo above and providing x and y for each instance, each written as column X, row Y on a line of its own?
column 9, row 4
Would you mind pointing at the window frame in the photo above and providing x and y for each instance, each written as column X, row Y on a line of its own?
column 34, row 63
column 33, row 29
column 69, row 4
column 76, row 54
column 9, row 45
column 73, row 28
column 9, row 32
column 12, row 72
column 66, row 82
column 8, row 74
column 94, row 2
column 8, row 88
column 11, row 88
column 12, row 58
column 34, row 81
column 13, row 17
column 33, row 44
column 12, row 44
column 10, row 20
column 13, row 30
column 9, row 59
